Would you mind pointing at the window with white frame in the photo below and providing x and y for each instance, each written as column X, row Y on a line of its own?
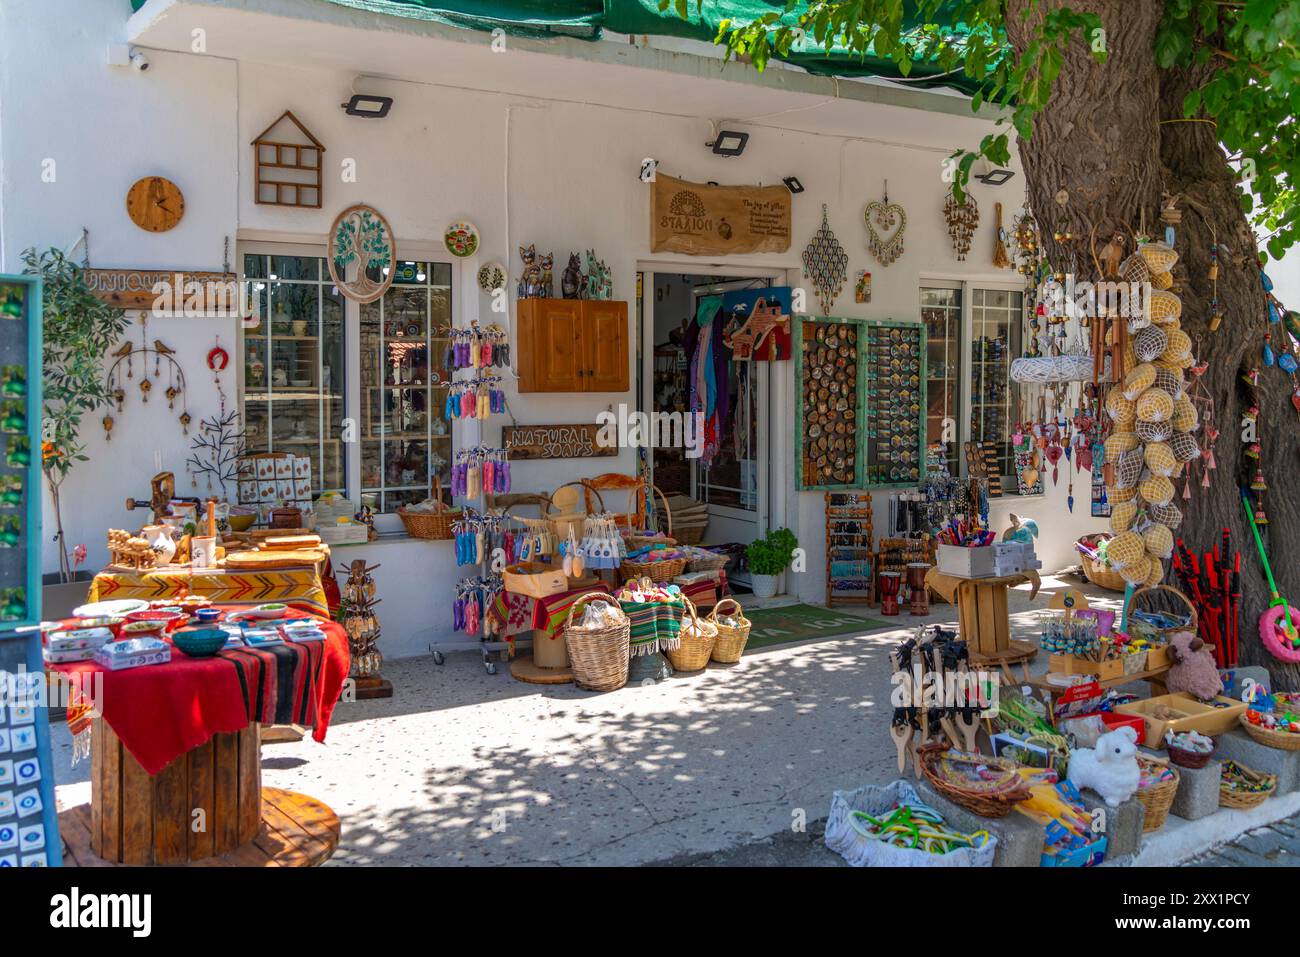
column 972, row 325
column 374, row 428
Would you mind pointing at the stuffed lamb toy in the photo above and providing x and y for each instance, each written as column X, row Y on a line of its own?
column 1110, row 769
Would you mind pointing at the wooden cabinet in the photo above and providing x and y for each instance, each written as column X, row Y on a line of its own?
column 570, row 345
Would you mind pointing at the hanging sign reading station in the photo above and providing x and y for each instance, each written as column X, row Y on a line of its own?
column 703, row 219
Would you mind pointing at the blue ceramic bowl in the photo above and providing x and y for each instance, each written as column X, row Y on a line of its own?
column 199, row 642
column 208, row 615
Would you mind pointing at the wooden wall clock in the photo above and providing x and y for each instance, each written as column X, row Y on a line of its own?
column 155, row 204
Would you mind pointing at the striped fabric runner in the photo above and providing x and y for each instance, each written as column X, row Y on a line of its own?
column 656, row 625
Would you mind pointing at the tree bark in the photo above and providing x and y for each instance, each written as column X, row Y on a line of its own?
column 1112, row 138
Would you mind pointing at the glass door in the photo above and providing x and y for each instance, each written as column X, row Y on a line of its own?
column 941, row 313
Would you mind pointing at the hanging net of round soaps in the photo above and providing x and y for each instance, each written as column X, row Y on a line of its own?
column 1154, row 431
column 1178, row 348
column 1119, row 495
column 1139, row 380
column 1155, row 405
column 1167, row 515
column 1157, row 573
column 1122, row 515
column 1118, row 443
column 1156, row 490
column 1149, row 343
column 1159, row 541
column 1120, row 408
column 1184, row 446
column 1160, row 459
column 1125, row 550
column 1160, row 257
column 1165, row 307
column 1138, row 571
column 1170, row 380
column 1185, row 417
column 1128, row 468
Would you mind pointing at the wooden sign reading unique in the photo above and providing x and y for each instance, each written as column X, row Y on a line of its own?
column 170, row 290
column 701, row 219
column 554, row 442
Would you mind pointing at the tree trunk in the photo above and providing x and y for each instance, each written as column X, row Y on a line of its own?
column 1112, row 138
column 65, row 566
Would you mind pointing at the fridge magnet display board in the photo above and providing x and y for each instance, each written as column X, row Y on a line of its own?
column 894, row 368
column 829, row 414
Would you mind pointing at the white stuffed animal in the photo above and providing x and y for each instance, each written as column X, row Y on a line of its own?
column 1111, row 769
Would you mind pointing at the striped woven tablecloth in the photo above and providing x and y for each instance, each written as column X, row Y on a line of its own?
column 520, row 613
column 301, row 586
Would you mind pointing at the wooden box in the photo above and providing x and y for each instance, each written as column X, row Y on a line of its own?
column 1072, row 665
column 1190, row 715
column 535, row 579
column 967, row 562
column 1158, row 656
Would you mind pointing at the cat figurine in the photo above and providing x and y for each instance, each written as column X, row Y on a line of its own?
column 545, row 287
column 531, row 278
column 572, row 282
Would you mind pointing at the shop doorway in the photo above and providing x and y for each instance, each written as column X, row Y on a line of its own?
column 727, row 472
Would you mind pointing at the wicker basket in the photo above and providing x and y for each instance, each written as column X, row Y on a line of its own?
column 1188, row 759
column 1241, row 800
column 703, row 561
column 731, row 638
column 1282, row 740
column 664, row 571
column 637, row 540
column 1163, row 634
column 599, row 656
column 1156, row 801
column 430, row 525
column 995, row 799
column 698, row 637
column 1103, row 576
column 1047, row 369
column 691, row 535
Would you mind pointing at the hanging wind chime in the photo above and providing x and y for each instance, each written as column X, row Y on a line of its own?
column 879, row 215
column 162, row 356
column 826, row 264
column 963, row 218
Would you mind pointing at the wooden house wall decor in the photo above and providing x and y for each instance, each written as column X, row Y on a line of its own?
column 288, row 169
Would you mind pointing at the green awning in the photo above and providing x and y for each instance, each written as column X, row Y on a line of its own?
column 585, row 19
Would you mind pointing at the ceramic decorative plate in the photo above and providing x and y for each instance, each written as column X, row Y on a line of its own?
column 461, row 240
column 116, row 608
column 491, row 277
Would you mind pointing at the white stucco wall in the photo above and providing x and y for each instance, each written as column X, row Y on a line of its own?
column 441, row 155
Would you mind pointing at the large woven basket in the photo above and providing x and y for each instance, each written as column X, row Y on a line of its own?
column 1046, row 369
column 995, row 799
column 698, row 637
column 637, row 540
column 598, row 656
column 731, row 638
column 430, row 525
column 1156, row 801
column 1282, row 740
column 1147, row 631
column 1234, row 773
column 703, row 560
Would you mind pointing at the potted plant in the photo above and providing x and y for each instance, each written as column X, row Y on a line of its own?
column 79, row 329
column 768, row 557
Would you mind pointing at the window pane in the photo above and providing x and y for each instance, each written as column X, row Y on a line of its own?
column 995, row 340
column 941, row 313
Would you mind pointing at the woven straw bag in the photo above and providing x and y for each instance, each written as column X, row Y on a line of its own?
column 1170, row 516
column 598, row 656
column 1124, row 550
column 1160, row 257
column 1156, row 490
column 1140, row 379
column 1155, row 431
column 1159, row 541
column 1184, row 447
column 1155, row 405
column 1160, row 459
column 731, row 638
column 698, row 637
column 1149, row 343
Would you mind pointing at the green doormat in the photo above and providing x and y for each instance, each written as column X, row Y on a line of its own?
column 779, row 626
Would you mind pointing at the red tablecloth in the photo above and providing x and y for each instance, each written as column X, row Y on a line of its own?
column 162, row 711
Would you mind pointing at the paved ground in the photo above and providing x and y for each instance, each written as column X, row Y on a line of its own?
column 1277, row 845
column 464, row 768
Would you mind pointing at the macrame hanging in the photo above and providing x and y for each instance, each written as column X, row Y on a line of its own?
column 826, row 264
column 892, row 219
column 963, row 219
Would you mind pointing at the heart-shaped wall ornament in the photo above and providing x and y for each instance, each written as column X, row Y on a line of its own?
column 885, row 243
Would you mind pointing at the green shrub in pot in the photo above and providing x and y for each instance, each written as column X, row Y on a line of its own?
column 768, row 557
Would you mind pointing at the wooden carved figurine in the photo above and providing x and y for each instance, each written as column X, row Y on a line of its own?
column 358, row 618
column 571, row 280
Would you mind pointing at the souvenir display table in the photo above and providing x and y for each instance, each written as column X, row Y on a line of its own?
column 982, row 614
column 184, row 735
column 300, row 585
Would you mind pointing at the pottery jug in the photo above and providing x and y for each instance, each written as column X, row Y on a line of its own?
column 160, row 540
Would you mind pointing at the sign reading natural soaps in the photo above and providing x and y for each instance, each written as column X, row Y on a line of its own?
column 701, row 219
column 554, row 441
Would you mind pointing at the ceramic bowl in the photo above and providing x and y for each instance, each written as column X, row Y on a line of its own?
column 167, row 619
column 241, row 523
column 208, row 615
column 112, row 622
column 270, row 610
column 142, row 629
column 199, row 642
column 113, row 607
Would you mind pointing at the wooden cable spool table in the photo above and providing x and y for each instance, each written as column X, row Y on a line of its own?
column 983, row 617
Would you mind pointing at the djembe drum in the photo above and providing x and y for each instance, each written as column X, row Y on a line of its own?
column 889, row 584
column 920, row 595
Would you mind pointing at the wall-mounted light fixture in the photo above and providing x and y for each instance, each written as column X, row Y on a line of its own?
column 995, row 176
column 373, row 107
column 792, row 184
column 728, row 143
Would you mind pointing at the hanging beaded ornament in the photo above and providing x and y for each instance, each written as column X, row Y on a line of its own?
column 963, row 219
column 892, row 219
column 825, row 263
